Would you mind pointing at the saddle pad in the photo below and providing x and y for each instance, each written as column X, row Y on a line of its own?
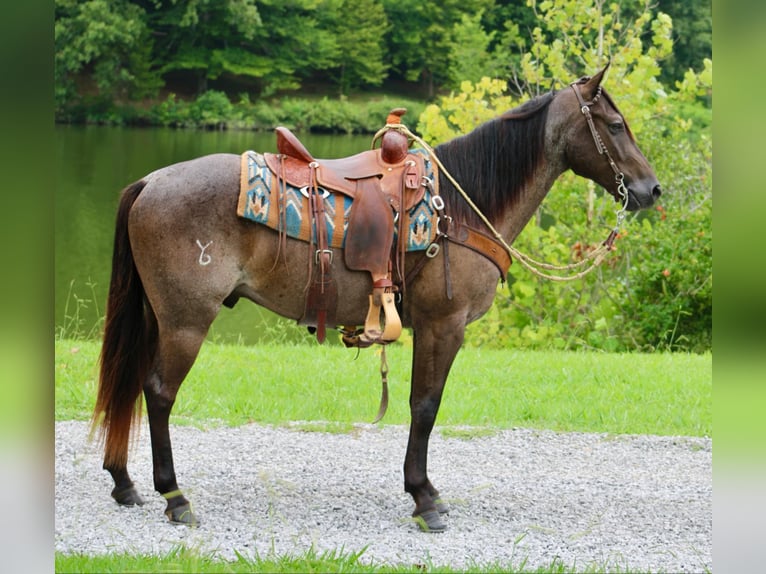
column 259, row 202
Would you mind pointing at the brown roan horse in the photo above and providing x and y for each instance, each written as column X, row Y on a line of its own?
column 162, row 298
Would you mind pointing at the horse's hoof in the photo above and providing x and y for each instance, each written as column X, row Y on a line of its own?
column 127, row 496
column 441, row 506
column 182, row 515
column 430, row 521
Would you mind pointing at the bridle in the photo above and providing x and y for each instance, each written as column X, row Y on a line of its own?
column 602, row 150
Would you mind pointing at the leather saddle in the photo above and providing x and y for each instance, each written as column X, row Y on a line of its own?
column 384, row 183
column 294, row 164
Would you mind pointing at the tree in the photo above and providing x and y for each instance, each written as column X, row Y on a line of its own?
column 420, row 40
column 360, row 29
column 469, row 56
column 110, row 40
column 297, row 40
column 124, row 50
column 692, row 36
column 205, row 38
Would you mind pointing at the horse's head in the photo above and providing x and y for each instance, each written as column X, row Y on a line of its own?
column 599, row 145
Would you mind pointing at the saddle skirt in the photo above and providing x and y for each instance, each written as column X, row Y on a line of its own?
column 260, row 198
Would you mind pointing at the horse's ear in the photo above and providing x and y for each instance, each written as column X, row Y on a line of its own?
column 590, row 88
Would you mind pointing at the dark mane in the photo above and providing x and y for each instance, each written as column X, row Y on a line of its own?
column 494, row 161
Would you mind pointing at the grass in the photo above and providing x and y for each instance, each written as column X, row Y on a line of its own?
column 185, row 560
column 331, row 388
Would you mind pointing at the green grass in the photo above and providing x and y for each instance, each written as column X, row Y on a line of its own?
column 332, row 388
column 329, row 388
column 185, row 560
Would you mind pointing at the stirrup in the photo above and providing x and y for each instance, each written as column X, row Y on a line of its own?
column 372, row 330
column 393, row 323
column 373, row 333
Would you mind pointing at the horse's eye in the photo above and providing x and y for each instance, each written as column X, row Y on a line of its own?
column 616, row 127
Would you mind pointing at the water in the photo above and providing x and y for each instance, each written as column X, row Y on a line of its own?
column 92, row 165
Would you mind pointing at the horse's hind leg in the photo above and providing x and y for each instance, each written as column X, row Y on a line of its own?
column 435, row 347
column 177, row 350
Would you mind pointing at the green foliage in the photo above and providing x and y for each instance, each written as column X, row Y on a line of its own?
column 360, row 37
column 328, row 115
column 458, row 113
column 295, row 41
column 470, row 58
column 127, row 50
column 656, row 291
column 668, row 302
column 692, row 24
column 194, row 37
column 111, row 39
column 211, row 110
column 214, row 110
column 170, row 112
column 421, row 37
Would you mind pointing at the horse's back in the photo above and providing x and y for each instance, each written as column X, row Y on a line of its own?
column 195, row 175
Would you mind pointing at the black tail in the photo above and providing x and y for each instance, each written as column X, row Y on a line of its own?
column 129, row 341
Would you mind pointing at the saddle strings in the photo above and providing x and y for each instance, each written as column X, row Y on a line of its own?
column 534, row 266
column 282, row 223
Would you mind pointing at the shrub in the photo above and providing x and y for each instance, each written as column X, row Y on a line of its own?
column 212, row 110
column 171, row 112
column 669, row 268
column 331, row 116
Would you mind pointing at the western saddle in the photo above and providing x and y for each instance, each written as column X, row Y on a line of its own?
column 382, row 182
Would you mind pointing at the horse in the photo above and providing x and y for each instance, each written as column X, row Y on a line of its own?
column 181, row 252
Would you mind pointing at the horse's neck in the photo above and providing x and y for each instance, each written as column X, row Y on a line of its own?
column 509, row 180
column 513, row 221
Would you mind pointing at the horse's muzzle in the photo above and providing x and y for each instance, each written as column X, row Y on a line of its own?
column 642, row 199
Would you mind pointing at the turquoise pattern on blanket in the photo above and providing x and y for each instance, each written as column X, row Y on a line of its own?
column 260, row 202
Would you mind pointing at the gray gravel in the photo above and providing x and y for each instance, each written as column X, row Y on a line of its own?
column 518, row 496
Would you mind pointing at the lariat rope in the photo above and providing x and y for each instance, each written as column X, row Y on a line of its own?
column 532, row 265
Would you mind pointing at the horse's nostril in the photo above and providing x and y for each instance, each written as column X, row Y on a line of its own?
column 657, row 191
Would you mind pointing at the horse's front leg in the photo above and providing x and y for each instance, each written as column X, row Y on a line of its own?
column 434, row 349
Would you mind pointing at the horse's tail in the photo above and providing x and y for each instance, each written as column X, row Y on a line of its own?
column 130, row 332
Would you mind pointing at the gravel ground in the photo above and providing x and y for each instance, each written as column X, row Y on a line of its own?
column 637, row 502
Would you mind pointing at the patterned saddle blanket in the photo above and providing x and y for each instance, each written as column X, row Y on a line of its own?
column 260, row 201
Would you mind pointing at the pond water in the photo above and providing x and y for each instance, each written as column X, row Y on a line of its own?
column 92, row 165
